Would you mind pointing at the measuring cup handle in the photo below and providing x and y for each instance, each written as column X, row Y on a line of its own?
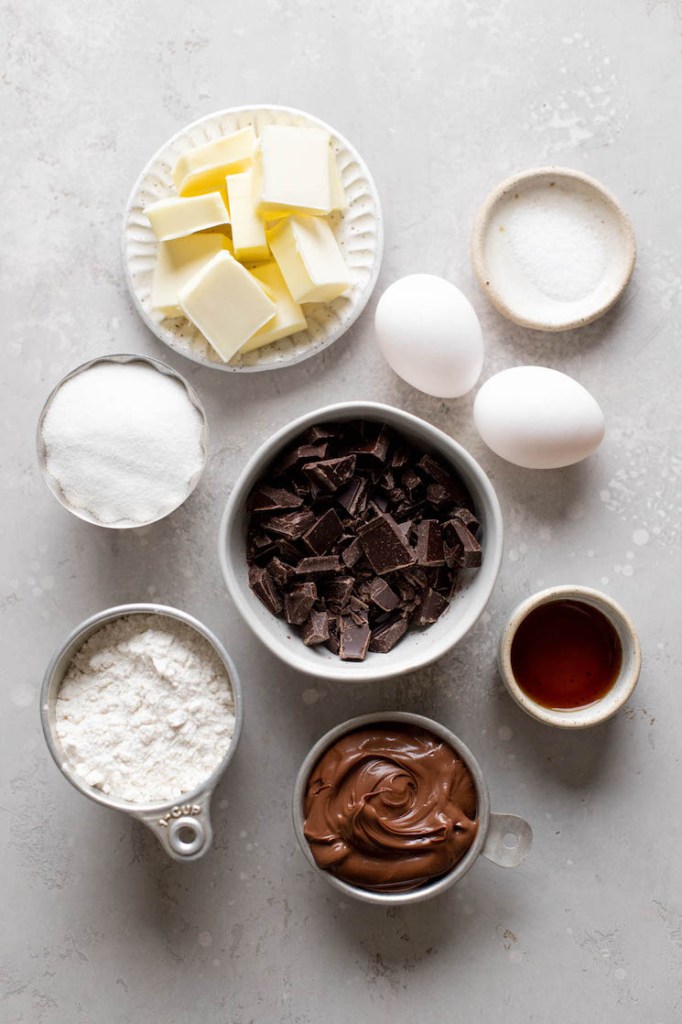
column 184, row 830
column 508, row 841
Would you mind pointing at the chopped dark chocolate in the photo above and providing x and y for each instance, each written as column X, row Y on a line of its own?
column 386, row 636
column 353, row 497
column 429, row 544
column 315, row 629
column 324, row 533
column 291, row 525
column 431, row 608
column 298, row 603
column 265, row 588
column 461, row 547
column 353, row 639
column 318, row 565
column 382, row 595
column 355, row 536
column 337, row 592
column 385, row 545
column 331, row 473
column 269, row 499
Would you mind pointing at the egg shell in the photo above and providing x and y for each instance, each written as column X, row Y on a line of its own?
column 538, row 418
column 429, row 335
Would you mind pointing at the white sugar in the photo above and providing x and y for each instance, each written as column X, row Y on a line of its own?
column 123, row 442
column 556, row 243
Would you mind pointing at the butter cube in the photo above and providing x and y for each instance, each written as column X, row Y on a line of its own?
column 226, row 303
column 173, row 218
column 204, row 168
column 337, row 190
column 248, row 229
column 177, row 261
column 288, row 319
column 309, row 258
column 293, row 170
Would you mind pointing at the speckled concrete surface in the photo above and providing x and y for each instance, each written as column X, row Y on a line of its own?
column 443, row 99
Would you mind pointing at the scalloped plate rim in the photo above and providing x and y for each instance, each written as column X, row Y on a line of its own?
column 314, row 347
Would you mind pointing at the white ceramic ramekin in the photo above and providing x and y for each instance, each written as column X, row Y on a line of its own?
column 505, row 839
column 418, row 647
column 611, row 702
column 182, row 825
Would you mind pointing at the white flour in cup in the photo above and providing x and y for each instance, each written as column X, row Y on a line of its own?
column 145, row 711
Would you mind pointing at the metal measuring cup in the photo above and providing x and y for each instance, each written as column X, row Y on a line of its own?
column 182, row 825
column 505, row 839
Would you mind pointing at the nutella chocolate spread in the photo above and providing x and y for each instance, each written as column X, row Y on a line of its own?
column 389, row 807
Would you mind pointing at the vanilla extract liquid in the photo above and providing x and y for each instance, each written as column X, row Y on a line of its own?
column 566, row 654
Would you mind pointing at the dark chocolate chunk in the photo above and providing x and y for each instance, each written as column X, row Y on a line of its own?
column 410, row 480
column 298, row 603
column 353, row 639
column 337, row 592
column 384, row 545
column 468, row 518
column 324, row 533
column 265, row 588
column 280, row 571
column 316, row 629
column 331, row 473
column 303, row 453
column 431, row 608
column 382, row 595
column 437, row 495
column 405, row 527
column 461, row 547
column 438, row 473
column 268, row 499
column 353, row 497
column 318, row 565
column 377, row 446
column 429, row 543
column 352, row 553
column 385, row 637
column 291, row 525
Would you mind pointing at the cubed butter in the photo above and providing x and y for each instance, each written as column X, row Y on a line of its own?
column 248, row 228
column 309, row 258
column 288, row 319
column 203, row 169
column 177, row 261
column 173, row 218
column 226, row 304
column 336, row 185
column 293, row 170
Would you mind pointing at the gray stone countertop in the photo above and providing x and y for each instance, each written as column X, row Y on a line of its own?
column 443, row 99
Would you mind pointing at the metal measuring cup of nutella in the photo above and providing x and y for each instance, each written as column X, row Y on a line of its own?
column 182, row 825
column 504, row 839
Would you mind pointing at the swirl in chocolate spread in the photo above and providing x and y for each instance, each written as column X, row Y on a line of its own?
column 389, row 807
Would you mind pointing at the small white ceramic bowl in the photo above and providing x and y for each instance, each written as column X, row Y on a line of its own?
column 620, row 692
column 418, row 647
column 593, row 212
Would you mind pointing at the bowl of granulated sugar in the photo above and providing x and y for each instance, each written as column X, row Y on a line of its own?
column 122, row 441
column 552, row 249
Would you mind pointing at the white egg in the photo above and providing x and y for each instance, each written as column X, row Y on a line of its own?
column 429, row 334
column 538, row 418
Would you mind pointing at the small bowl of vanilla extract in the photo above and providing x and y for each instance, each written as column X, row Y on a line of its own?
column 570, row 656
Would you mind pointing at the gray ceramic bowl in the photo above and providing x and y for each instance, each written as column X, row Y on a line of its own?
column 620, row 692
column 160, row 367
column 504, row 839
column 417, row 648
column 182, row 826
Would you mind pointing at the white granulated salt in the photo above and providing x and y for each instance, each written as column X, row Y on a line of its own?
column 124, row 443
column 145, row 711
column 558, row 245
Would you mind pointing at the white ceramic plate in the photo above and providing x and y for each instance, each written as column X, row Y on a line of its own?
column 358, row 230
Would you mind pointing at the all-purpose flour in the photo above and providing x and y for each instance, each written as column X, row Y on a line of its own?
column 145, row 711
